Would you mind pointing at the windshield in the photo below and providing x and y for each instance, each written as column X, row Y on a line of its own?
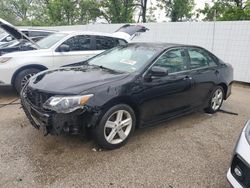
column 129, row 58
column 49, row 41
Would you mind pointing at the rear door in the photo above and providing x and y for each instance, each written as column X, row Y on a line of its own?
column 81, row 48
column 204, row 72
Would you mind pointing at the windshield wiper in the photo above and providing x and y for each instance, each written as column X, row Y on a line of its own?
column 106, row 68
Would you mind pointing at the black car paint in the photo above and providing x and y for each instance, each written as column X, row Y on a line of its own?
column 153, row 100
column 84, row 79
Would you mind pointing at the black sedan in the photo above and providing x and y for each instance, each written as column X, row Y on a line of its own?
column 135, row 85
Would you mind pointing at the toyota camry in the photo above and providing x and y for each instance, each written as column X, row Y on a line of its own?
column 130, row 86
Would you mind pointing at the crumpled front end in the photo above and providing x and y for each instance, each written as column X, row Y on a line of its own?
column 51, row 122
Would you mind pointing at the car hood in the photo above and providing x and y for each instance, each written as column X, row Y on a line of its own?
column 74, row 80
column 13, row 31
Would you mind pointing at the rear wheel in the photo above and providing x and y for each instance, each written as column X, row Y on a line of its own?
column 115, row 127
column 24, row 76
column 216, row 100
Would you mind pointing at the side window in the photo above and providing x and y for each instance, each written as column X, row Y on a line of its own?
column 26, row 33
column 121, row 42
column 173, row 60
column 104, row 43
column 79, row 43
column 200, row 58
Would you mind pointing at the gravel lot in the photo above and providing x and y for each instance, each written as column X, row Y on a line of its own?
column 192, row 151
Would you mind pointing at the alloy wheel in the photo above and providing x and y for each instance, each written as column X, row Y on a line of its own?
column 217, row 99
column 118, row 127
column 26, row 79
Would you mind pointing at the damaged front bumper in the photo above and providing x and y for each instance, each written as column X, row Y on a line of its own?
column 56, row 124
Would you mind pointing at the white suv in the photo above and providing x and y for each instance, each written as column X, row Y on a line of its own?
column 56, row 50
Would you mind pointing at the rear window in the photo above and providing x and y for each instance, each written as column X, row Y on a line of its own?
column 105, row 43
column 121, row 42
column 79, row 43
column 200, row 58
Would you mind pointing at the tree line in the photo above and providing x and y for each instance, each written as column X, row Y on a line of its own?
column 71, row 12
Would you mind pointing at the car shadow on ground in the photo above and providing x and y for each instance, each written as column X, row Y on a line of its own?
column 7, row 94
column 184, row 144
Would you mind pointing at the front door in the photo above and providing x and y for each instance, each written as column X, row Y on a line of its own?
column 169, row 95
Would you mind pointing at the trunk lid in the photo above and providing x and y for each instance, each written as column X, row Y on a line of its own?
column 129, row 31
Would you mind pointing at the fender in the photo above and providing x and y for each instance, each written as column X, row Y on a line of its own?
column 40, row 67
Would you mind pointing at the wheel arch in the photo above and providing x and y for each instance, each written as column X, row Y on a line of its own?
column 225, row 87
column 36, row 66
column 125, row 100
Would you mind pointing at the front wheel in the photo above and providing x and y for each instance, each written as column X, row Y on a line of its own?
column 216, row 100
column 23, row 77
column 115, row 127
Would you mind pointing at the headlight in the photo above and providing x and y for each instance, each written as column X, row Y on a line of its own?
column 66, row 104
column 248, row 131
column 4, row 59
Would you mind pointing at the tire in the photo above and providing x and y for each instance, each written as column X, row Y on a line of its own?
column 110, row 133
column 22, row 78
column 215, row 103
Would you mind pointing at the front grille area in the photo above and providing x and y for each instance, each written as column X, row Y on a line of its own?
column 244, row 168
column 36, row 97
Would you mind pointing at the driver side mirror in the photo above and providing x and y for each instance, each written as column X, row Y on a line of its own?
column 156, row 71
column 63, row 48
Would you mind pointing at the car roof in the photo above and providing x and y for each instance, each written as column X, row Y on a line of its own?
column 40, row 30
column 161, row 45
column 89, row 33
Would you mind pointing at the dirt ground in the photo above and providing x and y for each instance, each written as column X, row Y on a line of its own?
column 192, row 151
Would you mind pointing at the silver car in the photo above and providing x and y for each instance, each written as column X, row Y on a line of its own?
column 239, row 172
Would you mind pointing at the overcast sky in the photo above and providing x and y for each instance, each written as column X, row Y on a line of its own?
column 201, row 3
column 160, row 14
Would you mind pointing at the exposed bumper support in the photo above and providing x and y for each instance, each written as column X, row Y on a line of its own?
column 56, row 124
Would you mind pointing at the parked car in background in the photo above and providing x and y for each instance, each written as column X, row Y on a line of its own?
column 56, row 50
column 22, row 44
column 134, row 85
column 239, row 172
column 7, row 40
